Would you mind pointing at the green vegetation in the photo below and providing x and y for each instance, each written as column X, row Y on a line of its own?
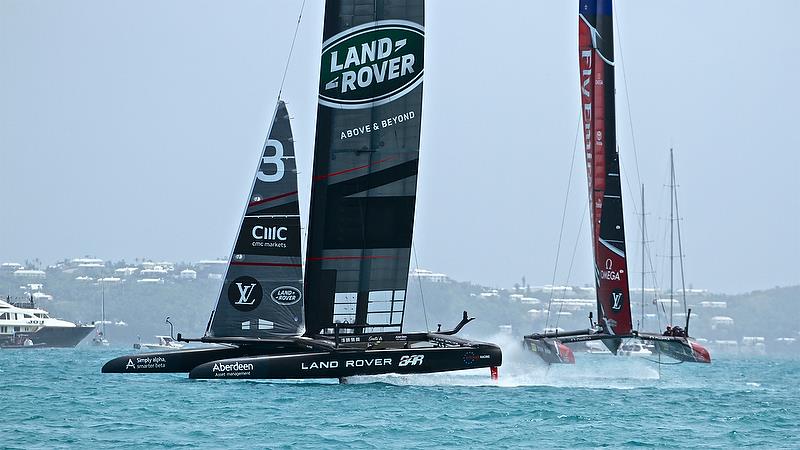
column 772, row 313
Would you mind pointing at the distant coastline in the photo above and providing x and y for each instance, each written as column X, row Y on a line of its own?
column 142, row 293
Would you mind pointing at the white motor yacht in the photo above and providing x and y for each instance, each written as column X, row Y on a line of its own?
column 33, row 326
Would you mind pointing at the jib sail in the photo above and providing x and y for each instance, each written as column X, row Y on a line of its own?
column 596, row 54
column 263, row 291
column 365, row 165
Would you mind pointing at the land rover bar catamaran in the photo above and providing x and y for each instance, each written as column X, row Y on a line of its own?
column 614, row 322
column 345, row 317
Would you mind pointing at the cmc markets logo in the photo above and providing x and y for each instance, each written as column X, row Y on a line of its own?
column 286, row 295
column 269, row 233
column 371, row 64
column 245, row 294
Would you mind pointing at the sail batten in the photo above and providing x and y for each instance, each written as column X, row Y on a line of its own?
column 596, row 60
column 366, row 156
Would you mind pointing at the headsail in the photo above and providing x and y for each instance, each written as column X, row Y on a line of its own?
column 263, row 292
column 365, row 164
column 596, row 54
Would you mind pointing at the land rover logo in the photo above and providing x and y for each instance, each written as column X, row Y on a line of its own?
column 245, row 294
column 286, row 295
column 371, row 64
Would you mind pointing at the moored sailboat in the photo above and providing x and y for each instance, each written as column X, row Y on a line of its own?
column 100, row 340
column 344, row 316
column 675, row 342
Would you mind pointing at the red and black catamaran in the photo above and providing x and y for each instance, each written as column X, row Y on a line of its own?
column 614, row 322
column 344, row 316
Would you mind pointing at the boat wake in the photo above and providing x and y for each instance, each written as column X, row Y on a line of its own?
column 522, row 368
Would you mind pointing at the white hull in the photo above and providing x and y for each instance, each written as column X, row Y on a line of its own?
column 161, row 347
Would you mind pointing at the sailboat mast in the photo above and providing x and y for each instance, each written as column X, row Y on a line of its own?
column 680, row 243
column 671, row 234
column 641, row 323
column 103, row 306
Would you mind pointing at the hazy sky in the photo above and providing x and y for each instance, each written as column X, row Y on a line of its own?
column 131, row 129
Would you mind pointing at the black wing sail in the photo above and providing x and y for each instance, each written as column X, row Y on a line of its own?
column 365, row 165
column 263, row 291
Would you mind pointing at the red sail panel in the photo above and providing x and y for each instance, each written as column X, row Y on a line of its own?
column 596, row 56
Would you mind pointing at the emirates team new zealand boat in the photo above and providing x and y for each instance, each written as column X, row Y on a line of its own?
column 614, row 322
column 345, row 317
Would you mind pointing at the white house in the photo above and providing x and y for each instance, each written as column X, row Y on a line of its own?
column 427, row 275
column 29, row 273
column 721, row 322
column 188, row 274
column 11, row 267
column 109, row 280
column 126, row 271
column 714, row 305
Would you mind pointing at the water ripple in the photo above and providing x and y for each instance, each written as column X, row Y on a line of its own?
column 61, row 400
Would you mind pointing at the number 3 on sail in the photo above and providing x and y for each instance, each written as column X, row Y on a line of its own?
column 272, row 160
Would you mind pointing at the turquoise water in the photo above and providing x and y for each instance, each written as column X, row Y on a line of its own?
column 59, row 398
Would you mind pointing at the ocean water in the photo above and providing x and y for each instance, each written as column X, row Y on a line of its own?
column 54, row 398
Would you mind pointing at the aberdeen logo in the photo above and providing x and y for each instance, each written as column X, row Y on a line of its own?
column 235, row 367
column 245, row 294
column 371, row 64
column 286, row 295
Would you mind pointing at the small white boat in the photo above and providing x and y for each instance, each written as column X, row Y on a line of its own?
column 164, row 343
column 99, row 339
column 597, row 347
column 634, row 349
